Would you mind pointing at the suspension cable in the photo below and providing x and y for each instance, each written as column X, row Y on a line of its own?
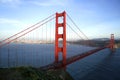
column 77, row 26
column 74, row 31
column 90, row 42
column 26, row 32
column 26, row 29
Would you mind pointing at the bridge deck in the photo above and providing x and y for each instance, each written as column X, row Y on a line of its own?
column 71, row 59
column 107, row 69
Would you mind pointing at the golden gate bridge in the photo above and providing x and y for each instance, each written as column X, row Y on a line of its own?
column 54, row 29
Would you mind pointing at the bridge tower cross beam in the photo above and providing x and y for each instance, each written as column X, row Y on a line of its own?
column 112, row 42
column 62, row 35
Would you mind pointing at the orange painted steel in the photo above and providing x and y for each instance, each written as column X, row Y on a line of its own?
column 70, row 60
column 1, row 45
column 112, row 42
column 25, row 29
column 59, row 49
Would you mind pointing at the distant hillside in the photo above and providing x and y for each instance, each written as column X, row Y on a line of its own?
column 101, row 39
column 94, row 43
column 118, row 45
column 98, row 42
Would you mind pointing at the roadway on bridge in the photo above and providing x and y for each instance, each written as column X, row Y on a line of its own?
column 101, row 67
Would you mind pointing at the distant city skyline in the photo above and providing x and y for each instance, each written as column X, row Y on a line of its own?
column 96, row 18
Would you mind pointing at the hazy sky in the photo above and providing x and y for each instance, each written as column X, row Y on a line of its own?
column 96, row 18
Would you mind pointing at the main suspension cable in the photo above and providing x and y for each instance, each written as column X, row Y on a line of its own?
column 26, row 32
column 26, row 29
column 77, row 26
column 74, row 31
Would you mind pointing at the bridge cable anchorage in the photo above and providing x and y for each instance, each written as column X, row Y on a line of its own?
column 24, row 33
column 27, row 28
column 90, row 42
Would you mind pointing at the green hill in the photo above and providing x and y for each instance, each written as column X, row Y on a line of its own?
column 29, row 73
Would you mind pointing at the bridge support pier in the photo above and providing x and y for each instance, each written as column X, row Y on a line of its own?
column 60, row 35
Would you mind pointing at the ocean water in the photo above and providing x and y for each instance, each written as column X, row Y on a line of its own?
column 102, row 65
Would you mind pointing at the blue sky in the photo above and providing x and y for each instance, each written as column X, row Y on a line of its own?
column 96, row 18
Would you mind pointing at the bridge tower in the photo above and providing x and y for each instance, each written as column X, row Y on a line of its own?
column 59, row 36
column 112, row 42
